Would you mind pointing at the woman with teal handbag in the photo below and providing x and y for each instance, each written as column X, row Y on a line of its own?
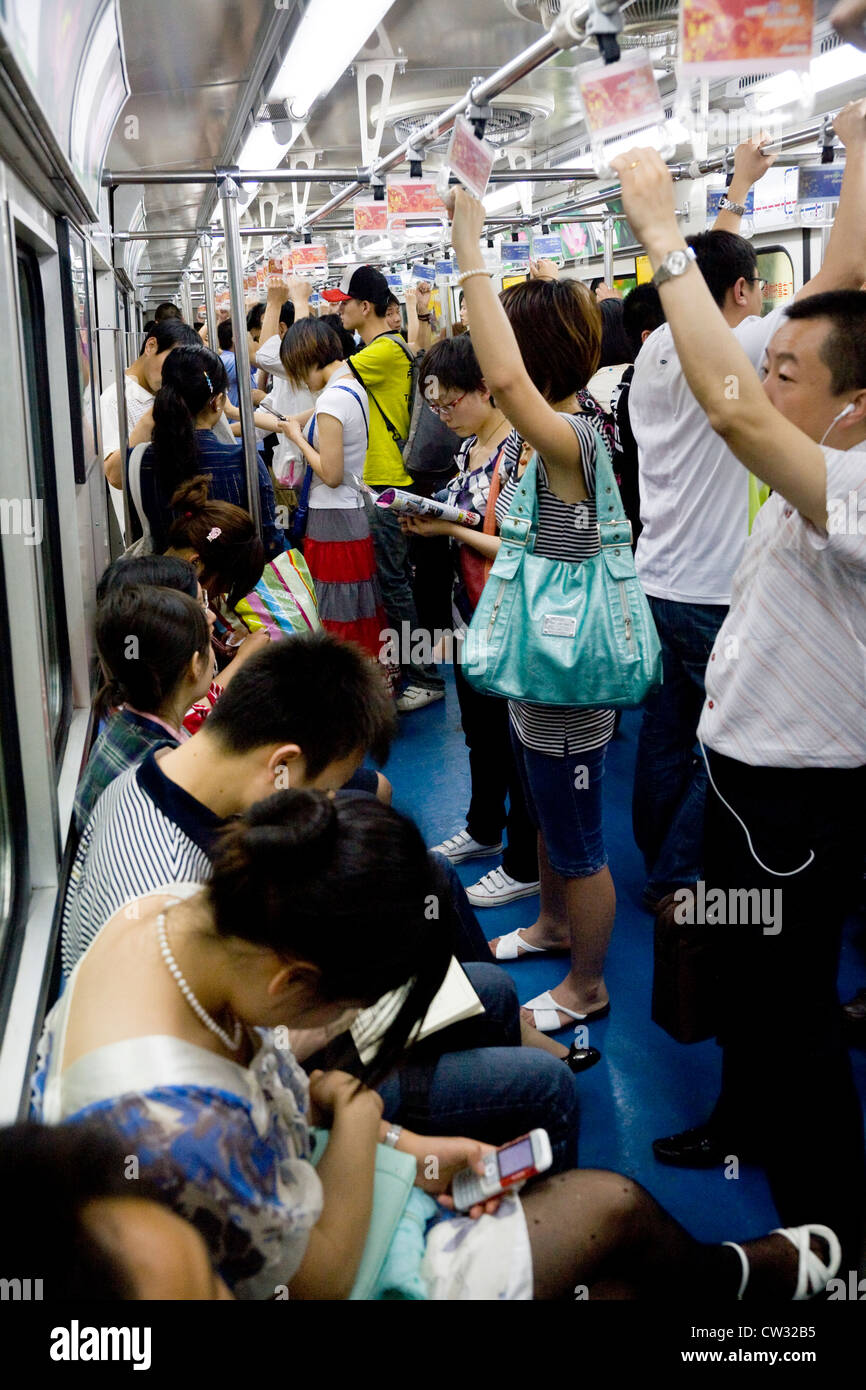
column 562, row 628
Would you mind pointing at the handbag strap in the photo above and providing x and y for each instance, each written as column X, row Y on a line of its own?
column 489, row 526
column 398, row 439
column 614, row 529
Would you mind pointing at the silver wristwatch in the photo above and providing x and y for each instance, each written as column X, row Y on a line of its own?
column 729, row 206
column 675, row 263
column 392, row 1137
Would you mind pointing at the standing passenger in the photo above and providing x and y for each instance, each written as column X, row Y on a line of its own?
column 338, row 547
column 383, row 368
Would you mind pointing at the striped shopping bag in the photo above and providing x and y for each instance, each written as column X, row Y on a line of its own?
column 284, row 600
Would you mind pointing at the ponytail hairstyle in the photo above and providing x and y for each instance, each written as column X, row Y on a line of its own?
column 191, row 378
column 146, row 638
column 222, row 535
column 346, row 885
column 169, row 333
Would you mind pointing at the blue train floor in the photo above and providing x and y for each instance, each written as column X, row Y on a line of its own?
column 646, row 1084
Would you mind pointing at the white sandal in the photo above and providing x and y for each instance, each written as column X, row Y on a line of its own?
column 813, row 1275
column 546, row 1011
column 507, row 947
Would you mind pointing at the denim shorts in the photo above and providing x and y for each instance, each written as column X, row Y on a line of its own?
column 563, row 796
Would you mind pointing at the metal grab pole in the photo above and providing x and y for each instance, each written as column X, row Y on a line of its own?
column 209, row 300
column 122, row 422
column 228, row 194
column 607, row 235
column 186, row 297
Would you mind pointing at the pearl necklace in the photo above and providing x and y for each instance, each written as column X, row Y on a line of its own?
column 188, row 995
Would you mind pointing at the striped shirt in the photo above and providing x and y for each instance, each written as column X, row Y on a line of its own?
column 127, row 736
column 786, row 679
column 145, row 831
column 566, row 531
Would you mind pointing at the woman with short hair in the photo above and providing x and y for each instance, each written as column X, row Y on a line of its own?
column 338, row 546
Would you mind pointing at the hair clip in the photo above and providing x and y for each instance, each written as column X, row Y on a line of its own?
column 214, row 533
column 209, row 383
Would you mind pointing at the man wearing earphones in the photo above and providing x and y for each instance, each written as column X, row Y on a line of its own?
column 783, row 726
column 695, row 507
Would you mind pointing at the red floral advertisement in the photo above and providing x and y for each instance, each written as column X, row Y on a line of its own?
column 413, row 198
column 622, row 94
column 370, row 217
column 742, row 33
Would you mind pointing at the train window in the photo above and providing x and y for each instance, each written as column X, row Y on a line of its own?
column 14, row 886
column 35, row 363
column 776, row 269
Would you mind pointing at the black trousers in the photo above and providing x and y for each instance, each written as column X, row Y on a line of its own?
column 494, row 777
column 788, row 1091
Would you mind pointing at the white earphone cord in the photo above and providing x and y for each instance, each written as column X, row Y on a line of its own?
column 777, row 873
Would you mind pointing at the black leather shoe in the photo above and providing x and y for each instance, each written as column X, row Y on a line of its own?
column 582, row 1058
column 854, row 1019
column 694, row 1148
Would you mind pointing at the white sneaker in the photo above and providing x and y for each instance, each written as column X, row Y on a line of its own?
column 416, row 696
column 497, row 888
column 462, row 846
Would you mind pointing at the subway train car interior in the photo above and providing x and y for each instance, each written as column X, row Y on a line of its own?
column 410, row 412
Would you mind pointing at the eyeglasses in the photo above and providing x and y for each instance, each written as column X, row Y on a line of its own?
column 445, row 407
column 758, row 281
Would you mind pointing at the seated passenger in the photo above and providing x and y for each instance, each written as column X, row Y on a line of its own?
column 173, row 572
column 89, row 1231
column 300, row 713
column 188, row 405
column 175, row 1036
column 154, row 648
column 218, row 539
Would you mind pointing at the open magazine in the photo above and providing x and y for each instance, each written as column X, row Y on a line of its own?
column 455, row 1002
column 398, row 501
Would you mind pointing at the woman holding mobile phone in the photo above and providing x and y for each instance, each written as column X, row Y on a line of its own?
column 176, row 1034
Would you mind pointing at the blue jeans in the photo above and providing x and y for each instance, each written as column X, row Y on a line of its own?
column 475, row 1079
column 670, row 780
column 395, row 580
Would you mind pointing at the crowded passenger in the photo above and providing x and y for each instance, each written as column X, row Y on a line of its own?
column 188, row 404
column 782, row 727
column 178, row 1030
column 536, row 349
column 142, row 380
column 455, row 389
column 383, row 367
column 338, row 547
column 695, row 513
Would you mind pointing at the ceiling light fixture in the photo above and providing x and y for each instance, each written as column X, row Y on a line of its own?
column 322, row 50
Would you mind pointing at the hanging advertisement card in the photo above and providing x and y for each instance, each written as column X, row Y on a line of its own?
column 721, row 37
column 469, row 158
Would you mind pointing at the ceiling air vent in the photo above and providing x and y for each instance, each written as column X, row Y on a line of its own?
column 535, row 11
column 511, row 120
column 505, row 127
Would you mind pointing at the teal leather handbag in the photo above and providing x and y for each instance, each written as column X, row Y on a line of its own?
column 558, row 632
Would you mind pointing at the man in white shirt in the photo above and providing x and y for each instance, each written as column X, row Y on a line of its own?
column 283, row 398
column 142, row 380
column 784, row 721
column 694, row 500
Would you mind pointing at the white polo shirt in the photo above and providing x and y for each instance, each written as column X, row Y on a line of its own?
column 138, row 400
column 786, row 680
column 285, row 399
column 694, row 493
